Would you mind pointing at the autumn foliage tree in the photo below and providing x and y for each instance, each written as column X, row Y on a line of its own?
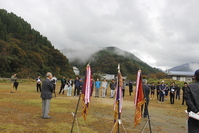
column 25, row 51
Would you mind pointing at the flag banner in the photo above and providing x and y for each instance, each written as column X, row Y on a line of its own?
column 118, row 102
column 86, row 91
column 139, row 99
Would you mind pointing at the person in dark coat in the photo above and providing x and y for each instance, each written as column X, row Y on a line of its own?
column 178, row 92
column 152, row 90
column 146, row 91
column 192, row 101
column 63, row 83
column 38, row 83
column 130, row 87
column 158, row 90
column 183, row 92
column 112, row 87
column 46, row 95
column 162, row 92
column 80, row 84
column 172, row 92
column 77, row 86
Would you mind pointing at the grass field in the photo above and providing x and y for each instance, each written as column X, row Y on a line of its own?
column 20, row 112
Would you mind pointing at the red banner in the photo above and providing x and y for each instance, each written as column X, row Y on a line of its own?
column 139, row 99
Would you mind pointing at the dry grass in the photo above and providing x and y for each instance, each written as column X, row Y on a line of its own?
column 21, row 113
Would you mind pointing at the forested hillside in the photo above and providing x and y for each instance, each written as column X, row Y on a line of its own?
column 25, row 51
column 106, row 61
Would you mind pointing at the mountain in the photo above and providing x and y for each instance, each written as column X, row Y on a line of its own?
column 188, row 67
column 105, row 60
column 26, row 52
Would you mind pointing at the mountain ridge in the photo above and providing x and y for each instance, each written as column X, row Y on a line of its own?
column 189, row 67
column 105, row 60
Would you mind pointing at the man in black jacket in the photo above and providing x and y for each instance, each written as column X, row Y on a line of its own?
column 46, row 95
column 192, row 101
column 158, row 90
column 183, row 92
column 146, row 91
column 172, row 92
column 77, row 86
column 63, row 83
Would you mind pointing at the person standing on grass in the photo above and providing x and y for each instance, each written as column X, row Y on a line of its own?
column 46, row 95
column 123, row 88
column 13, row 80
column 80, row 85
column 172, row 92
column 112, row 87
column 178, row 92
column 97, row 87
column 166, row 92
column 158, row 90
column 183, row 92
column 130, row 87
column 192, row 101
column 152, row 90
column 54, row 81
column 77, row 85
column 38, row 83
column 146, row 91
column 92, row 87
column 104, row 87
column 63, row 83
column 162, row 92
column 70, row 85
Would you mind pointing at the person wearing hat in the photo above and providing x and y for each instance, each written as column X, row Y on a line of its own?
column 46, row 95
column 183, row 92
column 192, row 101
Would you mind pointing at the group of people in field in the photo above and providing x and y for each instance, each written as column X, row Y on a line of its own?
column 99, row 88
column 161, row 91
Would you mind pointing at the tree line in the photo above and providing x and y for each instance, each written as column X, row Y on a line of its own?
column 25, row 51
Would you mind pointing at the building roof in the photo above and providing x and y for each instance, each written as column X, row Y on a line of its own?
column 180, row 73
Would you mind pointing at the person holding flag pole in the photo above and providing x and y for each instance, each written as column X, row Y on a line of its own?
column 141, row 99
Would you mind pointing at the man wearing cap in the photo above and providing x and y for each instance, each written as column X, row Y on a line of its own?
column 192, row 101
column 46, row 95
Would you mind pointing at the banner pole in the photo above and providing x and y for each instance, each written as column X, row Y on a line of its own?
column 75, row 113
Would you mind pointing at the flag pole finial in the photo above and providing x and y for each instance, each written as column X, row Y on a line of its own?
column 118, row 67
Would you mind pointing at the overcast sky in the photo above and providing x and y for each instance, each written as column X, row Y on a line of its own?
column 162, row 33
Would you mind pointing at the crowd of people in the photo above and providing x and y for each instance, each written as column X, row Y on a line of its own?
column 99, row 87
column 161, row 91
